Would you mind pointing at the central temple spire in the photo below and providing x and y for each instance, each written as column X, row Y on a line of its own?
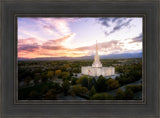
column 96, row 48
column 96, row 58
column 96, row 62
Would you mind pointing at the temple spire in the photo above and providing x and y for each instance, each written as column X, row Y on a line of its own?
column 96, row 48
column 96, row 62
column 96, row 58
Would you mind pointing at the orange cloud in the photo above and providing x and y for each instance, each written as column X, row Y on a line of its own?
column 57, row 41
column 30, row 48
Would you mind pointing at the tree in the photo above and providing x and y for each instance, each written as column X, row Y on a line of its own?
column 128, row 94
column 50, row 95
column 75, row 90
column 119, row 94
column 80, row 80
column 101, row 84
column 57, row 87
column 78, row 90
column 50, row 74
column 44, row 89
column 37, row 77
column 44, row 77
column 27, row 80
column 58, row 73
column 134, row 88
column 73, row 82
column 85, row 82
column 102, row 96
column 83, row 91
column 92, row 91
column 65, row 86
column 71, row 74
column 112, row 84
column 34, row 95
column 66, row 76
column 92, row 83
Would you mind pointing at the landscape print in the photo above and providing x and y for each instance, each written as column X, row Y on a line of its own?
column 80, row 58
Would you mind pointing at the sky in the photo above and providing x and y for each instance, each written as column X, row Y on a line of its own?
column 76, row 36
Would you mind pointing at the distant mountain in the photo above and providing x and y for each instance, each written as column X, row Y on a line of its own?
column 110, row 56
column 123, row 55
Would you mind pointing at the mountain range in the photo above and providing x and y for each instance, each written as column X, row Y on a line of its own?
column 110, row 56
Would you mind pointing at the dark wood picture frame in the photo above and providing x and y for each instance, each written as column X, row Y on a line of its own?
column 143, row 101
column 150, row 105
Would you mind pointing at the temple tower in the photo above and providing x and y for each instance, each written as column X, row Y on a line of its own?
column 96, row 62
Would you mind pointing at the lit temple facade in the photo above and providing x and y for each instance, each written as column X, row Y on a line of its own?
column 96, row 69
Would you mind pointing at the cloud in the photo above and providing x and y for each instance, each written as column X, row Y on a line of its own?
column 50, row 47
column 114, row 23
column 51, row 30
column 28, row 48
column 138, row 38
column 27, row 41
column 53, row 47
column 109, row 21
column 29, row 44
column 57, row 42
column 84, row 48
column 111, row 45
column 105, row 21
column 57, row 26
column 120, row 25
column 28, row 33
column 44, row 27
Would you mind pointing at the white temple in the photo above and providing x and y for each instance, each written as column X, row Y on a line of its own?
column 96, row 69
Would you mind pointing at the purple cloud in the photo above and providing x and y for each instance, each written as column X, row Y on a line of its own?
column 28, row 47
column 120, row 23
column 53, row 47
column 137, row 39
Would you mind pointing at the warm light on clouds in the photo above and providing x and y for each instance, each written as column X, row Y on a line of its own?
column 76, row 37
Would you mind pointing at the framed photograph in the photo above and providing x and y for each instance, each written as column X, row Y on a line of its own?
column 80, row 59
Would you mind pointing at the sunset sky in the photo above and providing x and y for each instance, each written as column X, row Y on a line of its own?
column 76, row 37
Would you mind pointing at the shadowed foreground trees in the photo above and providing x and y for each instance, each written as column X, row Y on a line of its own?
column 128, row 94
column 112, row 84
column 119, row 95
column 50, row 95
column 102, row 96
column 101, row 84
column 78, row 90
column 34, row 95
